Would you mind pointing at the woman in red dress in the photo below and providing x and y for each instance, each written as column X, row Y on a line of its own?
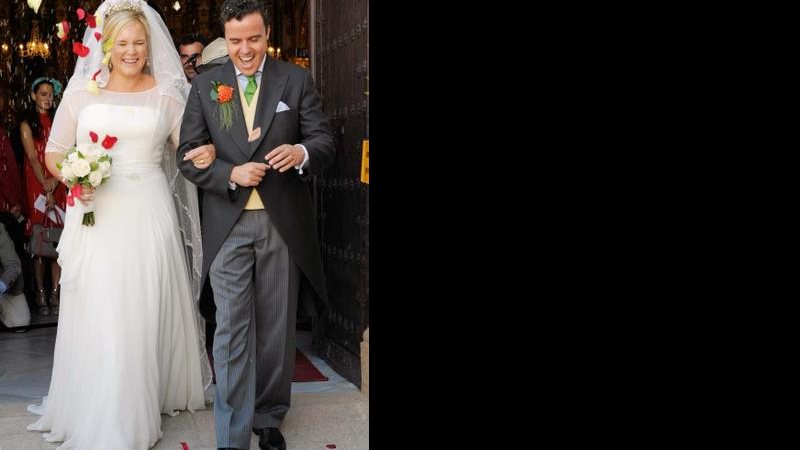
column 35, row 130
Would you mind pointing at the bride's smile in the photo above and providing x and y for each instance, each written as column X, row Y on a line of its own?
column 129, row 51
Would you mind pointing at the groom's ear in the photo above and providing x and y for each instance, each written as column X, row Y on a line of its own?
column 268, row 30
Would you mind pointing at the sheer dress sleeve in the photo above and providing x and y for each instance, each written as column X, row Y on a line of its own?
column 174, row 114
column 65, row 123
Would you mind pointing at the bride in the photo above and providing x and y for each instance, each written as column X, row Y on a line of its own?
column 128, row 347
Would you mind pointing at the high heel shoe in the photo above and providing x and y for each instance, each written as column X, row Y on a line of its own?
column 41, row 303
column 54, row 301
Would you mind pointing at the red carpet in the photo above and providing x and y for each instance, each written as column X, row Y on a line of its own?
column 304, row 370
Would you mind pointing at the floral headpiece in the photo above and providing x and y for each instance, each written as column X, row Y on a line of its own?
column 56, row 84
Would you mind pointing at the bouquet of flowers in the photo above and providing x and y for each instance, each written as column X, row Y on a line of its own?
column 86, row 165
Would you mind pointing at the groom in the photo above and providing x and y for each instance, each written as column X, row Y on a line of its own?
column 260, row 246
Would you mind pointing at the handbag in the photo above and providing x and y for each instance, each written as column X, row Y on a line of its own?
column 45, row 237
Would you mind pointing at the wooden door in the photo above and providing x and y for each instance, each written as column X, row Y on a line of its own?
column 340, row 64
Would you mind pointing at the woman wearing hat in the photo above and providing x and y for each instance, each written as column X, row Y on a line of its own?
column 34, row 131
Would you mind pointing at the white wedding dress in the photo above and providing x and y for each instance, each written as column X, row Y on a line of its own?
column 127, row 344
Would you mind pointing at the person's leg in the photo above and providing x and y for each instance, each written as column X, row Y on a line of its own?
column 231, row 276
column 276, row 287
column 14, row 311
column 40, row 295
column 55, row 277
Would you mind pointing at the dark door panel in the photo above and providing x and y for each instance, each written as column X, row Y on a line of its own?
column 341, row 68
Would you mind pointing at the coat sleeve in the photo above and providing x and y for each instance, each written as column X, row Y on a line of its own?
column 194, row 133
column 315, row 129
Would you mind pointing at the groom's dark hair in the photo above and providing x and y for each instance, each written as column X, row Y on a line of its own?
column 237, row 9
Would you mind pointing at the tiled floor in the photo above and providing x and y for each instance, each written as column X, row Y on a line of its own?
column 327, row 413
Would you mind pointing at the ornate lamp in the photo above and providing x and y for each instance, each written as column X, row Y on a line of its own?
column 35, row 47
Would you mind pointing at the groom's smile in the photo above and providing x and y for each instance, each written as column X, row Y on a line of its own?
column 247, row 42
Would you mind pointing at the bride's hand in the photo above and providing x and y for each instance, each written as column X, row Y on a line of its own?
column 202, row 156
column 87, row 195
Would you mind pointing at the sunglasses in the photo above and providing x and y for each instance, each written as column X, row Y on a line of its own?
column 191, row 61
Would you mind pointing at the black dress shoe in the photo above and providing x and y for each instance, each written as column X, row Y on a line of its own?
column 270, row 439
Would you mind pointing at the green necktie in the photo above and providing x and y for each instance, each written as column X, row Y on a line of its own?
column 250, row 89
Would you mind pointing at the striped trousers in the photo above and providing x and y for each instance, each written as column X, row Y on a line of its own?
column 255, row 284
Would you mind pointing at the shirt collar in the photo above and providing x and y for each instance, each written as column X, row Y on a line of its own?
column 260, row 68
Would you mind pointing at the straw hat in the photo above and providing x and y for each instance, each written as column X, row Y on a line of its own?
column 214, row 54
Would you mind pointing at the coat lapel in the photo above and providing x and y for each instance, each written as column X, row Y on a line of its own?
column 272, row 84
column 238, row 129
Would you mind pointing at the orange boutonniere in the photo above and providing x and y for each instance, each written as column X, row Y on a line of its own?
column 223, row 94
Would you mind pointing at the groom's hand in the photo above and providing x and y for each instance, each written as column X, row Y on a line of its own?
column 284, row 157
column 249, row 174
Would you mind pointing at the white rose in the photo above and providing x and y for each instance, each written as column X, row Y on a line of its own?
column 66, row 172
column 91, row 152
column 81, row 168
column 72, row 157
column 105, row 169
column 95, row 178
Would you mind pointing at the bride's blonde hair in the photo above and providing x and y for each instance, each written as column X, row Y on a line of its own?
column 114, row 23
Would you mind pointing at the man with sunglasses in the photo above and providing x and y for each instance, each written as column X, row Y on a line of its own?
column 190, row 49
